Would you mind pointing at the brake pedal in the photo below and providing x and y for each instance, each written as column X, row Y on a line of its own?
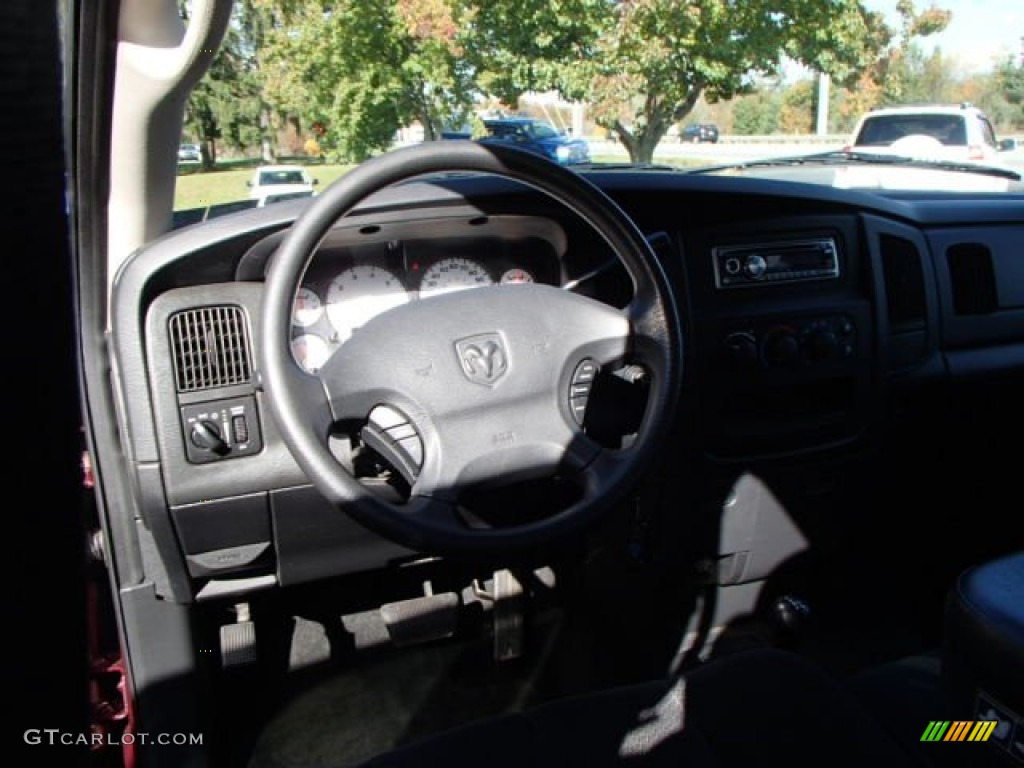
column 421, row 619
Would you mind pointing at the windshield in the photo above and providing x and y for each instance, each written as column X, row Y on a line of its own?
column 270, row 178
column 654, row 84
column 884, row 130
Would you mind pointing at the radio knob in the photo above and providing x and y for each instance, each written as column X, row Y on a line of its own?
column 781, row 347
column 755, row 266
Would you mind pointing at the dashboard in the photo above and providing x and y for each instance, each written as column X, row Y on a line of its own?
column 806, row 308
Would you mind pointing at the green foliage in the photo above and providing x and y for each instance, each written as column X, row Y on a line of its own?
column 1009, row 79
column 643, row 64
column 365, row 69
column 756, row 114
column 225, row 103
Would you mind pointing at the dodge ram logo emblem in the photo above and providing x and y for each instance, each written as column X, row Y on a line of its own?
column 483, row 358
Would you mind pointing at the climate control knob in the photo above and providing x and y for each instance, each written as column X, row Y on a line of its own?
column 781, row 347
column 823, row 345
column 741, row 350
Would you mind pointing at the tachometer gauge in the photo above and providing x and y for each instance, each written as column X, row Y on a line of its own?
column 359, row 294
column 310, row 352
column 308, row 308
column 453, row 274
column 516, row 275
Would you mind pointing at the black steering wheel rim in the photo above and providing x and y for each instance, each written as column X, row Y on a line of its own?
column 655, row 340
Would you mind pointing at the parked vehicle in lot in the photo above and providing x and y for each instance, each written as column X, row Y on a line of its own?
column 657, row 467
column 189, row 153
column 697, row 133
column 958, row 132
column 280, row 182
column 539, row 137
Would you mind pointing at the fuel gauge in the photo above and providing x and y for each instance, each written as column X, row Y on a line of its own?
column 310, row 352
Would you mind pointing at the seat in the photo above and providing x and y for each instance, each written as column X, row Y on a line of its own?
column 983, row 652
column 761, row 707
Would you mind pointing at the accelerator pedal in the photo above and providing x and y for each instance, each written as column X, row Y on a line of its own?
column 238, row 640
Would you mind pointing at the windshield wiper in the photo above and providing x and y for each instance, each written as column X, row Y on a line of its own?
column 847, row 157
column 623, row 166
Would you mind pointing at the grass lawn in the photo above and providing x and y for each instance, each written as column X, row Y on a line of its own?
column 198, row 190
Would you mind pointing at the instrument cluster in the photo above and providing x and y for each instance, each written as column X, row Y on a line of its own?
column 347, row 287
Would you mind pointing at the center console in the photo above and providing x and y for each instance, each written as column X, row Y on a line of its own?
column 784, row 336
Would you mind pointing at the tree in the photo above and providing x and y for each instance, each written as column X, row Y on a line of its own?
column 643, row 64
column 798, row 107
column 1010, row 81
column 225, row 103
column 363, row 69
column 756, row 114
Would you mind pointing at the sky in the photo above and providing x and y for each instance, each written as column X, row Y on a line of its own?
column 980, row 31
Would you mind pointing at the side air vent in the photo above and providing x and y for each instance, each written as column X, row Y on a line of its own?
column 973, row 279
column 210, row 347
column 904, row 284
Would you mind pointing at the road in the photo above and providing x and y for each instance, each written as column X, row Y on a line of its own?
column 727, row 152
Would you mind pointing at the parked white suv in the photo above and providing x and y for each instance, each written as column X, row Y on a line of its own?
column 958, row 133
column 271, row 183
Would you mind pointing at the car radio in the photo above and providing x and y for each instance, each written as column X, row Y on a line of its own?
column 741, row 266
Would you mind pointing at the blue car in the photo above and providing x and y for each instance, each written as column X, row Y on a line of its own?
column 537, row 136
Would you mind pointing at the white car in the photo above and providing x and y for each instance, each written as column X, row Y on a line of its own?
column 189, row 153
column 271, row 183
column 958, row 133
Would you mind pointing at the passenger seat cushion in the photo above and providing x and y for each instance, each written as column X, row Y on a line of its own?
column 984, row 636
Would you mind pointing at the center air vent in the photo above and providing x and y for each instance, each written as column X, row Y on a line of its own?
column 904, row 284
column 973, row 279
column 210, row 347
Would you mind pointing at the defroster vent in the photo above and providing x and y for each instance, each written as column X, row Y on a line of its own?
column 210, row 347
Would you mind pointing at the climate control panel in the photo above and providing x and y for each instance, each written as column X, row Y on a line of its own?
column 791, row 344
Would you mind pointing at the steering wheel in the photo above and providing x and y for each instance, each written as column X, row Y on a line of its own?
column 472, row 387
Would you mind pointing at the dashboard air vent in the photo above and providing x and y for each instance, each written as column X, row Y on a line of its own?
column 210, row 347
column 904, row 284
column 973, row 279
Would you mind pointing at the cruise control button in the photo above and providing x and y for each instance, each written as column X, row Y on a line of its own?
column 585, row 371
column 579, row 389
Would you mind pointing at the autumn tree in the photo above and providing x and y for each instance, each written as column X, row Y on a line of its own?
column 641, row 65
column 365, row 69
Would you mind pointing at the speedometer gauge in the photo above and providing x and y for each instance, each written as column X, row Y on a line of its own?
column 359, row 294
column 310, row 352
column 453, row 274
column 308, row 308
